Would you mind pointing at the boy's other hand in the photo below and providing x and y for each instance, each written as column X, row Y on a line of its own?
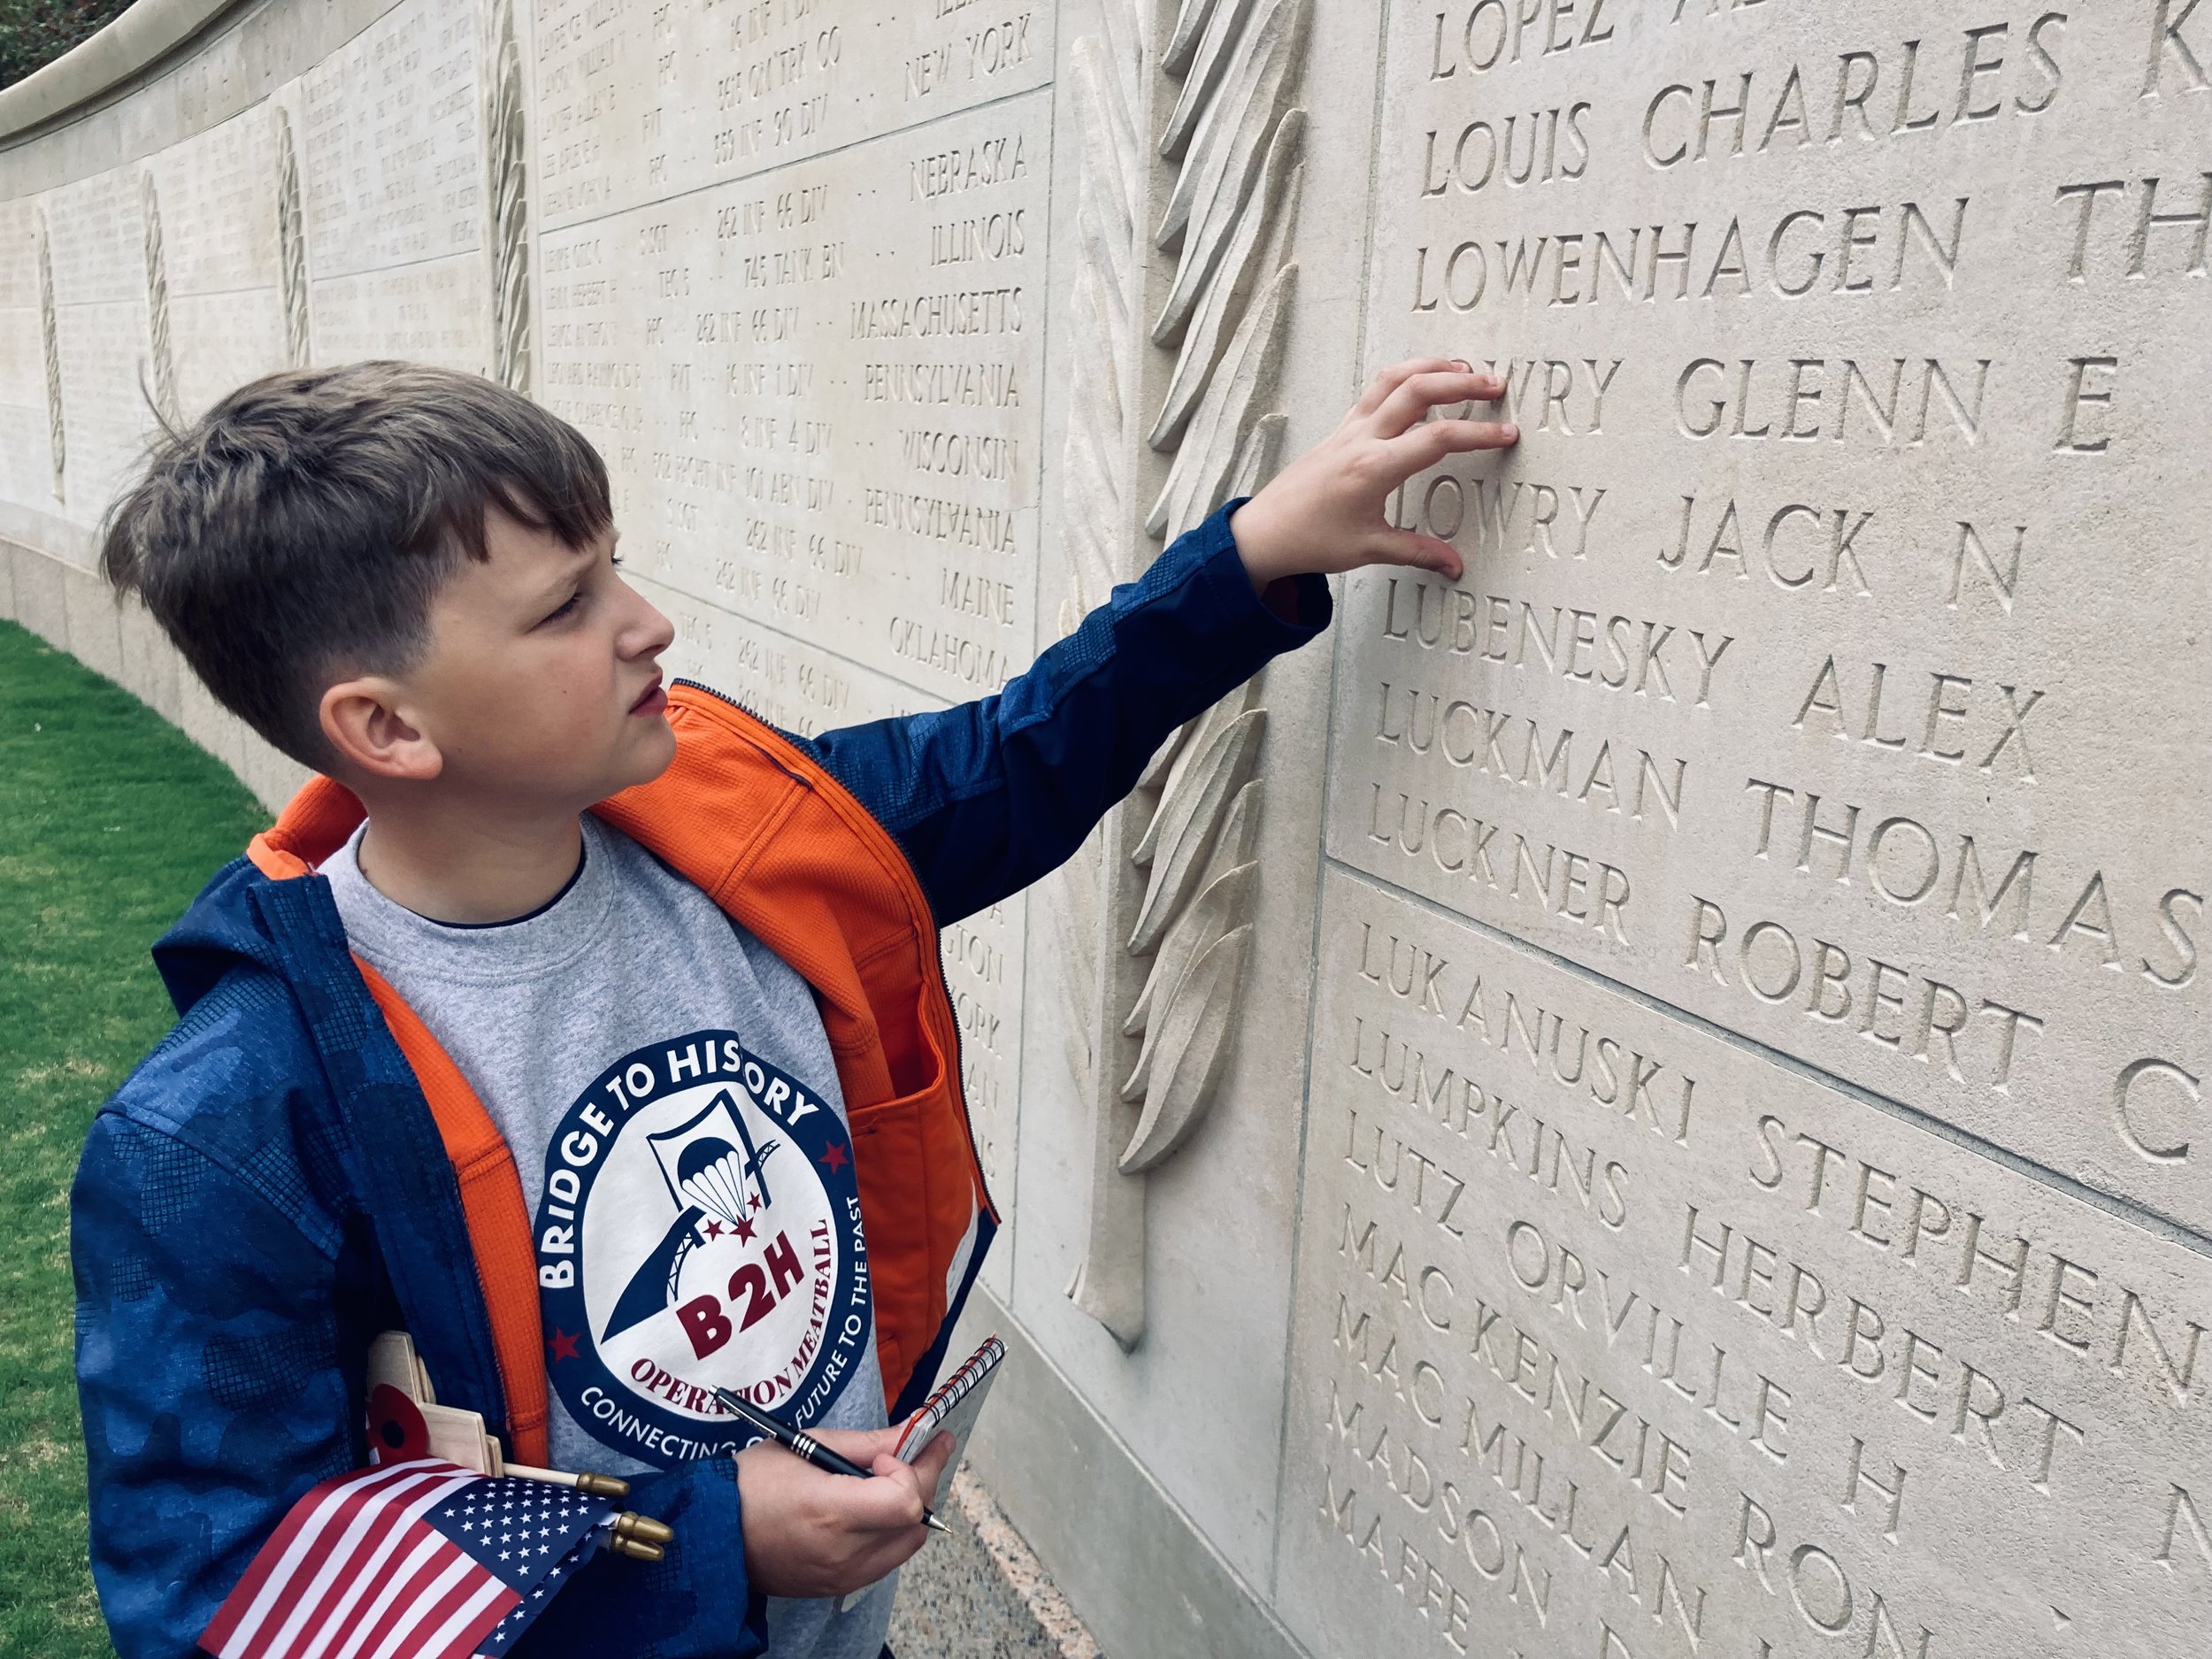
column 810, row 1533
column 1324, row 511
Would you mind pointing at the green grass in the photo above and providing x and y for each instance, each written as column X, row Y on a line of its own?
column 110, row 820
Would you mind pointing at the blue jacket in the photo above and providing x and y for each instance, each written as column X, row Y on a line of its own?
column 267, row 1191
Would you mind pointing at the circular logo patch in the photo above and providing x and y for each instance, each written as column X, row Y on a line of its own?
column 700, row 1228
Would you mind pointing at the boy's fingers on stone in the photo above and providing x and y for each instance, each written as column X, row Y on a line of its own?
column 1431, row 442
column 1418, row 394
column 1416, row 551
column 1387, row 381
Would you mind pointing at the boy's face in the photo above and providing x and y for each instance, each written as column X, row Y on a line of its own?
column 542, row 683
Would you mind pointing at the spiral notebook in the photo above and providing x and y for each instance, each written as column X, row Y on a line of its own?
column 955, row 1406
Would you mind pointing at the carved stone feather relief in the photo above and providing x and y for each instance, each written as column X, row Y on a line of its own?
column 291, row 245
column 163, row 362
column 50, row 334
column 506, row 191
column 1187, row 193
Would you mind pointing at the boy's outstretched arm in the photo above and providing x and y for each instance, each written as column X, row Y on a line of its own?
column 987, row 797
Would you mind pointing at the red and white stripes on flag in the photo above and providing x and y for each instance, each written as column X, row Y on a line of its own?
column 358, row 1571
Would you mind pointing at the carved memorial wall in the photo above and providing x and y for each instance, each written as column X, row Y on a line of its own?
column 1648, row 1101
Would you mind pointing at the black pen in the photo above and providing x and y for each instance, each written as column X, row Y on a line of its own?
column 802, row 1444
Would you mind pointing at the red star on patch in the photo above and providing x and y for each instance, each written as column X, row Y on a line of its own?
column 834, row 1158
column 563, row 1344
column 744, row 1233
column 715, row 1229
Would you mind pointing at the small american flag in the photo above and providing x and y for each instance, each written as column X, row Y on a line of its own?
column 418, row 1560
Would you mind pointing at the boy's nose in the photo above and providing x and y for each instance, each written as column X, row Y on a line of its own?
column 651, row 634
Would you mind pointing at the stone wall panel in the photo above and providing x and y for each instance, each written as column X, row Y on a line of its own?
column 1647, row 1100
column 1608, row 1325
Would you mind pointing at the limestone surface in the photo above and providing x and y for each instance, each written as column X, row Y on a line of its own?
column 1648, row 1101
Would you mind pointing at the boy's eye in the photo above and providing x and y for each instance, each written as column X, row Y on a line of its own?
column 566, row 607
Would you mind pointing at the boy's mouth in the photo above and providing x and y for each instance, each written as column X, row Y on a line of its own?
column 652, row 700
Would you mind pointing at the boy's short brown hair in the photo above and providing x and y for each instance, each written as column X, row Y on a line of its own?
column 297, row 531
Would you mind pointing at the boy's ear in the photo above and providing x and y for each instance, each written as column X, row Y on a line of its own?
column 363, row 723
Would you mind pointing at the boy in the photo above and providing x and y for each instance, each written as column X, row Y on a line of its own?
column 591, row 1032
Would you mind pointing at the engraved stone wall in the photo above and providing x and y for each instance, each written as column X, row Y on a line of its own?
column 1835, row 552
column 1627, row 1340
column 1755, row 1194
column 1648, row 1101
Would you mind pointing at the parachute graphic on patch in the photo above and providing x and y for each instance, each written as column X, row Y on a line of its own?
column 713, row 1166
column 719, row 1171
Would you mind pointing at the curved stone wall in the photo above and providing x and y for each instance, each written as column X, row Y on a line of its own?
column 1647, row 1102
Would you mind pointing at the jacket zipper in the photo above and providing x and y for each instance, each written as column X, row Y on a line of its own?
column 944, row 979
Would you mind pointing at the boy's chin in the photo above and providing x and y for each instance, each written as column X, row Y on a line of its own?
column 647, row 753
column 640, row 755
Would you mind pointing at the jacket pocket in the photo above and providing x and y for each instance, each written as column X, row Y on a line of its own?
column 890, row 1166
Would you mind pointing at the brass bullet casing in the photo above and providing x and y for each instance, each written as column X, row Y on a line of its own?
column 602, row 1486
column 643, row 1528
column 637, row 1548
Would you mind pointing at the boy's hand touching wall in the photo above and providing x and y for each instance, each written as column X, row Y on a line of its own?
column 1324, row 512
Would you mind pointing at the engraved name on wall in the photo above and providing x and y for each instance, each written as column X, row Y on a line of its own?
column 391, row 131
column 810, row 424
column 640, row 100
column 1827, row 649
column 1618, row 1340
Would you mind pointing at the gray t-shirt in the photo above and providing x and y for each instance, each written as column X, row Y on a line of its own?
column 665, row 1083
